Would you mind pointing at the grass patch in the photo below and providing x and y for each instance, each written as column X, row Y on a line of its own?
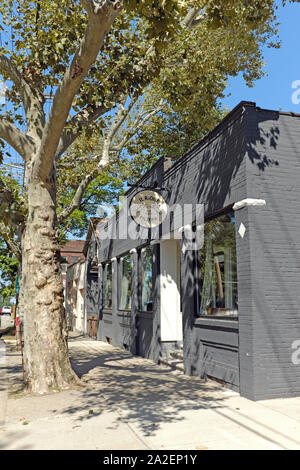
column 17, row 391
column 9, row 332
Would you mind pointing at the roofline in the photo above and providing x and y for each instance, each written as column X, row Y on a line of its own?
column 92, row 227
column 221, row 127
column 87, row 240
column 283, row 113
column 148, row 172
column 242, row 105
column 79, row 261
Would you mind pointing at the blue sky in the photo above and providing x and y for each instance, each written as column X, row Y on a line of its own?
column 283, row 66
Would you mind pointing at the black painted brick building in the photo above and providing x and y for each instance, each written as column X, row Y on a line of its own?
column 252, row 155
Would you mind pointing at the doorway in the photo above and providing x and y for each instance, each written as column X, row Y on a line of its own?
column 170, row 291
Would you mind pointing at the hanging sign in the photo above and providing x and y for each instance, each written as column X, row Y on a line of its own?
column 148, row 208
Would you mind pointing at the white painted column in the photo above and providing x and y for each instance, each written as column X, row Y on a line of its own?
column 170, row 322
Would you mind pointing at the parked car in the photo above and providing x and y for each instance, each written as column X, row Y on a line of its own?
column 0, row 310
column 6, row 310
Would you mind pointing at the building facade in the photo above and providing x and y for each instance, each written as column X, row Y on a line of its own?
column 75, row 296
column 82, row 303
column 70, row 252
column 231, row 306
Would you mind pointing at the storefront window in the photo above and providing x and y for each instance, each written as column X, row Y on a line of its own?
column 107, row 283
column 125, row 283
column 218, row 269
column 146, row 279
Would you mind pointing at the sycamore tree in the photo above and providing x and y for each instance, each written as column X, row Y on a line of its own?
column 109, row 67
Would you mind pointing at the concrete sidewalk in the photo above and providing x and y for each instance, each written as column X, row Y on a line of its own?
column 131, row 403
column 3, row 383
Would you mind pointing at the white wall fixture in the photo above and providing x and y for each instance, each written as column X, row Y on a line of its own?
column 248, row 202
column 242, row 230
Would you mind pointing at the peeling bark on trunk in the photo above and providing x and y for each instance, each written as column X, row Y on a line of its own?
column 47, row 365
column 46, row 360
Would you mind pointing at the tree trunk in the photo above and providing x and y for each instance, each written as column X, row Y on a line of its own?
column 46, row 361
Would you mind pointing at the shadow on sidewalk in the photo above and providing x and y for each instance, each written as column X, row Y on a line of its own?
column 150, row 396
column 147, row 393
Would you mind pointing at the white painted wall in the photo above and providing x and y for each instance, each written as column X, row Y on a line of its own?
column 75, row 301
column 171, row 318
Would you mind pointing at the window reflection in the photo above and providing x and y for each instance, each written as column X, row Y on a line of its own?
column 107, row 279
column 146, row 279
column 218, row 269
column 125, row 283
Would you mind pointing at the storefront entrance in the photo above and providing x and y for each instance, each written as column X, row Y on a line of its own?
column 170, row 291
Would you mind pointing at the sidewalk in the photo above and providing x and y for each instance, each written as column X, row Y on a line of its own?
column 131, row 403
column 3, row 383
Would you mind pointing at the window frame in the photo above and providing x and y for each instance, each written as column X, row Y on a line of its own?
column 140, row 284
column 104, row 287
column 120, row 274
column 199, row 280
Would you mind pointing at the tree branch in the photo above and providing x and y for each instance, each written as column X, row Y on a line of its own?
column 12, row 244
column 137, row 125
column 78, row 196
column 74, row 126
column 33, row 105
column 193, row 18
column 120, row 118
column 101, row 18
column 10, row 71
column 104, row 159
column 9, row 209
column 22, row 143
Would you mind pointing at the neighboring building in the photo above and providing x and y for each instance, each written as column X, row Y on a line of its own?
column 92, row 291
column 75, row 296
column 70, row 252
column 82, row 283
column 233, row 304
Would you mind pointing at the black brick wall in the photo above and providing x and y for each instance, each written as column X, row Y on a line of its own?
column 273, row 174
column 253, row 153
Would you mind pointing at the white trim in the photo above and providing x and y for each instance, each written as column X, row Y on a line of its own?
column 184, row 228
column 132, row 251
column 112, row 259
column 248, row 202
column 155, row 242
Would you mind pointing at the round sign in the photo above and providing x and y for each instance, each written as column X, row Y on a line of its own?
column 148, row 208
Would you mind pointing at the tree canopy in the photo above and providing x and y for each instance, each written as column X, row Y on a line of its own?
column 159, row 74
